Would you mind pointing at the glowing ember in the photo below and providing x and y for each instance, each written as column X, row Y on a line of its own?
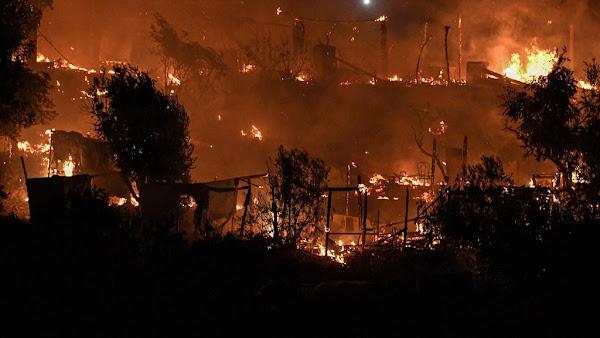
column 279, row 11
column 539, row 63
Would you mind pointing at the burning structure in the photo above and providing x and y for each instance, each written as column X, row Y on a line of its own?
column 341, row 84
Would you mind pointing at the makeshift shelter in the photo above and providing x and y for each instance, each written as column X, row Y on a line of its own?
column 212, row 204
column 53, row 198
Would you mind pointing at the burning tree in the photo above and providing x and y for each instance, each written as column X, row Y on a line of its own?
column 184, row 61
column 555, row 121
column 147, row 130
column 297, row 182
column 24, row 93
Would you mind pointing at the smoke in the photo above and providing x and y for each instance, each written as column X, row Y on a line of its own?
column 371, row 126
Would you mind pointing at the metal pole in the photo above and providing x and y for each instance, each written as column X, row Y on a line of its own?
column 447, row 61
column 360, row 205
column 406, row 217
column 460, row 48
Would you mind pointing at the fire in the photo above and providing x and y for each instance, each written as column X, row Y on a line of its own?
column 64, row 64
column 42, row 58
column 133, row 201
column 69, row 167
column 395, row 78
column 404, row 179
column 302, row 77
column 376, row 178
column 174, row 80
column 381, row 18
column 115, row 200
column 539, row 63
column 25, row 147
column 248, row 68
column 256, row 133
column 584, row 85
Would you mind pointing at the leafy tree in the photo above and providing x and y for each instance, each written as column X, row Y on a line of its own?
column 555, row 121
column 24, row 94
column 297, row 182
column 147, row 130
column 3, row 196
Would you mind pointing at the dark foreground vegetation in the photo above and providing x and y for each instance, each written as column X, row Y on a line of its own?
column 101, row 276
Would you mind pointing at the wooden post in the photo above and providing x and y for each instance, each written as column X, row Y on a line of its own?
column 364, row 216
column 384, row 49
column 347, row 198
column 571, row 48
column 460, row 48
column 406, row 218
column 447, row 61
column 24, row 168
column 246, row 203
column 464, row 161
column 427, row 38
column 376, row 237
column 274, row 211
column 327, row 228
column 433, row 159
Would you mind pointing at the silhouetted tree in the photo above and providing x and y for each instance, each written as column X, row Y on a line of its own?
column 556, row 121
column 24, row 93
column 547, row 119
column 297, row 182
column 500, row 223
column 147, row 130
column 3, row 196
